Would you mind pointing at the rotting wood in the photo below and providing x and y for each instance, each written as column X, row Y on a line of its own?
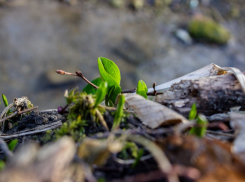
column 212, row 95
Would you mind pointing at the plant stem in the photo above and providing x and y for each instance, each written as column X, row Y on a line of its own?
column 79, row 74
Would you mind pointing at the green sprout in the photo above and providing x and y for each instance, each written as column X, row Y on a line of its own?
column 110, row 73
column 193, row 112
column 12, row 144
column 200, row 128
column 119, row 112
column 5, row 100
column 142, row 89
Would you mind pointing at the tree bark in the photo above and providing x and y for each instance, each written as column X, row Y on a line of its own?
column 212, row 94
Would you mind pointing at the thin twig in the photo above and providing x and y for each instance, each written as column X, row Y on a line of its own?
column 136, row 132
column 27, row 110
column 10, row 116
column 130, row 161
column 49, row 127
column 17, row 113
column 5, row 149
column 79, row 74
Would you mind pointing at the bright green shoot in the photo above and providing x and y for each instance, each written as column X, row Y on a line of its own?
column 119, row 112
column 110, row 73
column 193, row 112
column 142, row 89
column 201, row 126
column 12, row 144
column 5, row 100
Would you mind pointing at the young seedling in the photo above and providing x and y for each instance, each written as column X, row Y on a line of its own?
column 119, row 113
column 201, row 126
column 12, row 144
column 193, row 112
column 110, row 73
column 5, row 100
column 142, row 89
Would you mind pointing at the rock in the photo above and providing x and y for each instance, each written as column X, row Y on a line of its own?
column 203, row 28
column 184, row 36
column 117, row 3
column 138, row 4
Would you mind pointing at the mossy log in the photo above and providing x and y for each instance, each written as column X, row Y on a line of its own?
column 214, row 94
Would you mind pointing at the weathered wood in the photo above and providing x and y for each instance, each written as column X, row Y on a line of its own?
column 212, row 94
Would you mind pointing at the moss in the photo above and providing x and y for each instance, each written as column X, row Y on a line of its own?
column 203, row 28
column 73, row 128
column 80, row 114
column 29, row 104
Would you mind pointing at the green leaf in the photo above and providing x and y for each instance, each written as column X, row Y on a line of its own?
column 2, row 165
column 140, row 153
column 193, row 112
column 12, row 144
column 119, row 112
column 100, row 94
column 142, row 89
column 113, row 93
column 201, row 127
column 89, row 89
column 109, row 71
column 5, row 100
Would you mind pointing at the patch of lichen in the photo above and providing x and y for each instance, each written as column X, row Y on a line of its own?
column 203, row 28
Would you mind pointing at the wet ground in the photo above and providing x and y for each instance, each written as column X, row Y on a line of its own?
column 38, row 37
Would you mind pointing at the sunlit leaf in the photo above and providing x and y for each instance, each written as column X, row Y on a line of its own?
column 109, row 71
column 142, row 89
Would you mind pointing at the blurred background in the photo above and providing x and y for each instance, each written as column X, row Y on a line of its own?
column 153, row 40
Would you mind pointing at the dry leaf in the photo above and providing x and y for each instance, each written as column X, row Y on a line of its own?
column 94, row 151
column 151, row 113
column 211, row 157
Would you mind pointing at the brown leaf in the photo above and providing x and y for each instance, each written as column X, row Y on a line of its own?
column 94, row 151
column 151, row 113
column 211, row 157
